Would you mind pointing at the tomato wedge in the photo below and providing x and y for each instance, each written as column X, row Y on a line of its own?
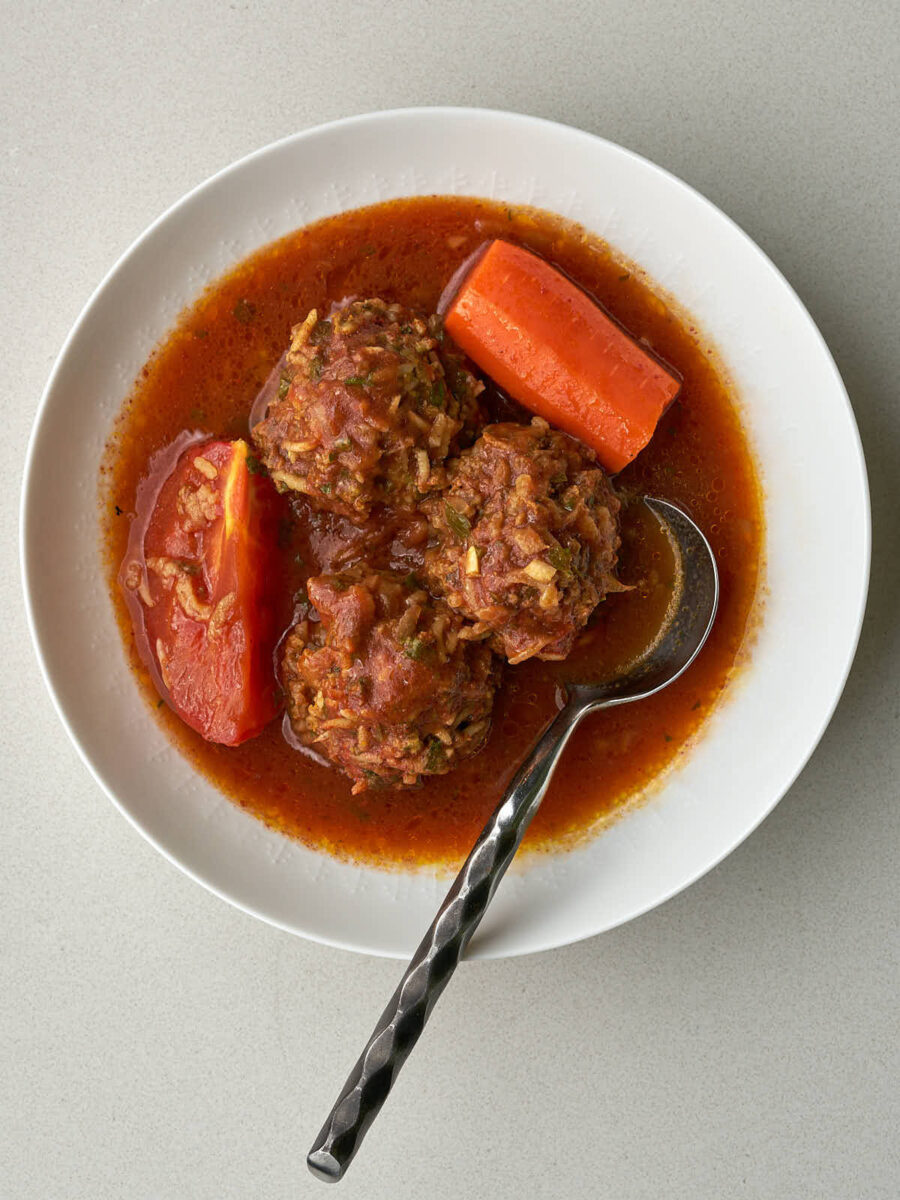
column 200, row 564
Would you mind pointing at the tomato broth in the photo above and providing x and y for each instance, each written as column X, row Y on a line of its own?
column 204, row 377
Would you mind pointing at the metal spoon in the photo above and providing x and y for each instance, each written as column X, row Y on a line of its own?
column 692, row 612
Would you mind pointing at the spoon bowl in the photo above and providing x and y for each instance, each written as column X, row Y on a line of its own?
column 690, row 617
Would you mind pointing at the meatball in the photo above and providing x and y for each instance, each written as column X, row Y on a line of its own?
column 384, row 682
column 524, row 542
column 371, row 403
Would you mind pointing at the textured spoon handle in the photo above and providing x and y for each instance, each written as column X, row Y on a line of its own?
column 437, row 957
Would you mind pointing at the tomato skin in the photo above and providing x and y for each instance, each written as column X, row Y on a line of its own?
column 198, row 577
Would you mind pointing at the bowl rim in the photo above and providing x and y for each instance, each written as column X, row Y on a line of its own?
column 439, row 112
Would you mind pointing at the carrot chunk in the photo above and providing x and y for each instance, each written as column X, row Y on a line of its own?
column 552, row 348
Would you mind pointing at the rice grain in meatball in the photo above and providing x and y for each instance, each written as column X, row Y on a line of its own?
column 371, row 404
column 382, row 684
column 524, row 542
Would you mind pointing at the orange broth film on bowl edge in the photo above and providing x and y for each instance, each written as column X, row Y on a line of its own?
column 202, row 380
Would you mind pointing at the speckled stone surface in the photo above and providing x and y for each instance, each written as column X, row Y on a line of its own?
column 741, row 1041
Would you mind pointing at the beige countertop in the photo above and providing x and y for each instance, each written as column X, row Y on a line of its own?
column 739, row 1042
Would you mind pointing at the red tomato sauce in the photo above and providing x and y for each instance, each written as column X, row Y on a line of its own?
column 204, row 377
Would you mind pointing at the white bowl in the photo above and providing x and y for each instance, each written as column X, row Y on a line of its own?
column 794, row 406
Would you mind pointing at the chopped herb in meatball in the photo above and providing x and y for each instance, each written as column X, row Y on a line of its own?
column 524, row 541
column 372, row 401
column 380, row 678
